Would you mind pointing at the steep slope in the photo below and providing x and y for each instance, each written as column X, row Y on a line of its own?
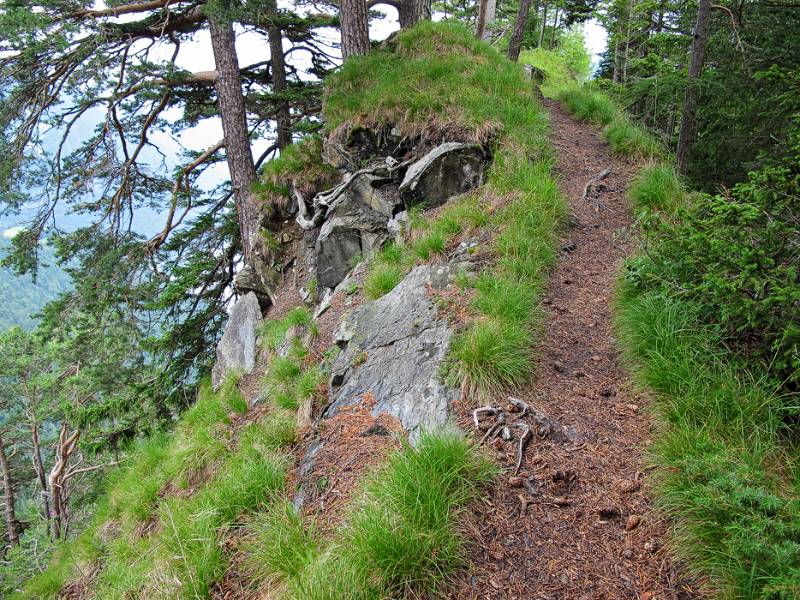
column 296, row 476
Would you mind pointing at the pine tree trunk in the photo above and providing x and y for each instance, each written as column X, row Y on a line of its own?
column 491, row 15
column 553, row 31
column 480, row 26
column 617, row 63
column 515, row 43
column 283, row 122
column 355, row 28
column 234, row 127
column 38, row 466
column 544, row 25
column 12, row 525
column 410, row 12
column 698, row 55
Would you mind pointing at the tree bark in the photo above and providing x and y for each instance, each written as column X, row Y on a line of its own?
column 617, row 63
column 491, row 15
column 480, row 26
column 355, row 28
column 688, row 128
column 553, row 31
column 411, row 12
column 38, row 466
column 58, row 480
column 234, row 127
column 12, row 525
column 283, row 122
column 544, row 25
column 515, row 43
column 626, row 55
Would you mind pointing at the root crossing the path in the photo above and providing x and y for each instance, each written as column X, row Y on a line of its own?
column 576, row 522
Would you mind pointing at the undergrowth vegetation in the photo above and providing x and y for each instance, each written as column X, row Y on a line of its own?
column 708, row 318
column 399, row 538
column 158, row 531
column 440, row 71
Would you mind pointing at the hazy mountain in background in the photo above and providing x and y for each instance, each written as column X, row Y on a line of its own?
column 22, row 298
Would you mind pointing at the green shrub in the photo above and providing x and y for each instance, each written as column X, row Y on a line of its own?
column 734, row 257
column 658, row 186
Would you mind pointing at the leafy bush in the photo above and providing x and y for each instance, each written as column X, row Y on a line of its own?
column 736, row 257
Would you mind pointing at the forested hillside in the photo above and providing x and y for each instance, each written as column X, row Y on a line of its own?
column 24, row 297
column 456, row 314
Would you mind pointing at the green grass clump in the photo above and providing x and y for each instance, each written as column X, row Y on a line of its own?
column 400, row 538
column 491, row 356
column 631, row 141
column 728, row 474
column 289, row 380
column 279, row 544
column 300, row 166
column 658, row 186
column 385, row 272
column 272, row 332
column 588, row 104
column 159, row 527
column 231, row 395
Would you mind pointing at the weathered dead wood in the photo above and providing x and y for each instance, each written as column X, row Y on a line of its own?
column 593, row 181
column 523, row 441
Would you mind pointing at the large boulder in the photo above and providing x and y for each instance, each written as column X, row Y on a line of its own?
column 393, row 348
column 354, row 230
column 256, row 278
column 378, row 192
column 236, row 350
column 446, row 171
column 350, row 149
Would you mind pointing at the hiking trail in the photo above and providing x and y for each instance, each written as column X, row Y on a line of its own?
column 588, row 530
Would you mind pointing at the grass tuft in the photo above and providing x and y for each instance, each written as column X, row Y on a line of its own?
column 658, row 186
column 631, row 141
column 490, row 357
column 588, row 104
column 400, row 539
column 280, row 545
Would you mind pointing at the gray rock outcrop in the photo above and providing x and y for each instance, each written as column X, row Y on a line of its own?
column 236, row 350
column 353, row 230
column 394, row 348
column 446, row 171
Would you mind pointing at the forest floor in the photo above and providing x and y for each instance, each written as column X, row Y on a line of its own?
column 582, row 527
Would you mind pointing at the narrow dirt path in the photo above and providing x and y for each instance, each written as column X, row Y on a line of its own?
column 588, row 531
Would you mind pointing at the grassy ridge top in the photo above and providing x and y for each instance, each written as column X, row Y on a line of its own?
column 439, row 82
